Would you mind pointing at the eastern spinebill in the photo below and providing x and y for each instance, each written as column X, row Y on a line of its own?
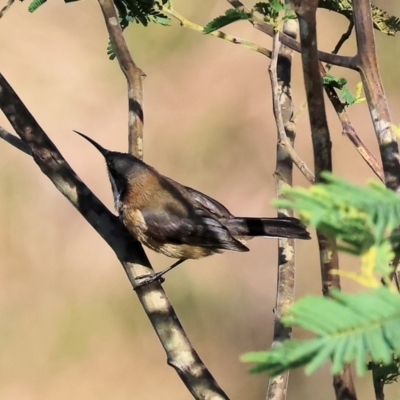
column 179, row 221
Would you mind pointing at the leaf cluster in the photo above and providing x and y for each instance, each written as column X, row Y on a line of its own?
column 344, row 92
column 347, row 327
column 383, row 22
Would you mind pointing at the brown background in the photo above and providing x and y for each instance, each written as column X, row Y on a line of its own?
column 71, row 327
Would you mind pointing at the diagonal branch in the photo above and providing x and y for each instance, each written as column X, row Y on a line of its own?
column 131, row 255
column 350, row 132
column 14, row 141
column 334, row 59
column 180, row 352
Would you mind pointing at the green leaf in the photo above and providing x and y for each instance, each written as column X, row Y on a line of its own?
column 349, row 327
column 35, row 4
column 333, row 81
column 231, row 15
column 348, row 98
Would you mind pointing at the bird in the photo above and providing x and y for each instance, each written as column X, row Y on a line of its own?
column 178, row 221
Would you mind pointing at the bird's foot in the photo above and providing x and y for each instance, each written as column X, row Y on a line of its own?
column 150, row 278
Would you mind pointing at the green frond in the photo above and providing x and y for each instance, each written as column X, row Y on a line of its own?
column 230, row 16
column 383, row 22
column 35, row 4
column 363, row 219
column 270, row 10
column 349, row 327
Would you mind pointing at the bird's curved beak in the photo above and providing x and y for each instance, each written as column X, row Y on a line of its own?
column 101, row 149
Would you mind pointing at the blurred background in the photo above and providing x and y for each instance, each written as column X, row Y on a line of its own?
column 70, row 324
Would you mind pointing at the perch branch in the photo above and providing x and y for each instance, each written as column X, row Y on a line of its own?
column 179, row 351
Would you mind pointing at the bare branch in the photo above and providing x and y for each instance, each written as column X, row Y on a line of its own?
column 280, row 72
column 180, row 352
column 374, row 92
column 134, row 77
column 306, row 12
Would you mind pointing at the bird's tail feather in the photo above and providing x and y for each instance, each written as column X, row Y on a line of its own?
column 272, row 227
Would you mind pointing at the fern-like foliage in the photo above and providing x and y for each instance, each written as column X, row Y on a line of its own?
column 230, row 16
column 383, row 22
column 363, row 219
column 349, row 327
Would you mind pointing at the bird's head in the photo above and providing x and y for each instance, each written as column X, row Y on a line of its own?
column 121, row 167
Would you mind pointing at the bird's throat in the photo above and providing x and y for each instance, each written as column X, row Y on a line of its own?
column 116, row 193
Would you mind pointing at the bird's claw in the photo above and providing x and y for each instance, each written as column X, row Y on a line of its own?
column 149, row 279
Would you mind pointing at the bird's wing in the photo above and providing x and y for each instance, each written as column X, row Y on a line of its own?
column 171, row 225
column 202, row 201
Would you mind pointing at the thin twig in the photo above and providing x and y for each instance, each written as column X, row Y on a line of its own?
column 379, row 385
column 341, row 42
column 342, row 61
column 134, row 76
column 14, row 141
column 300, row 164
column 280, row 72
column 168, row 9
